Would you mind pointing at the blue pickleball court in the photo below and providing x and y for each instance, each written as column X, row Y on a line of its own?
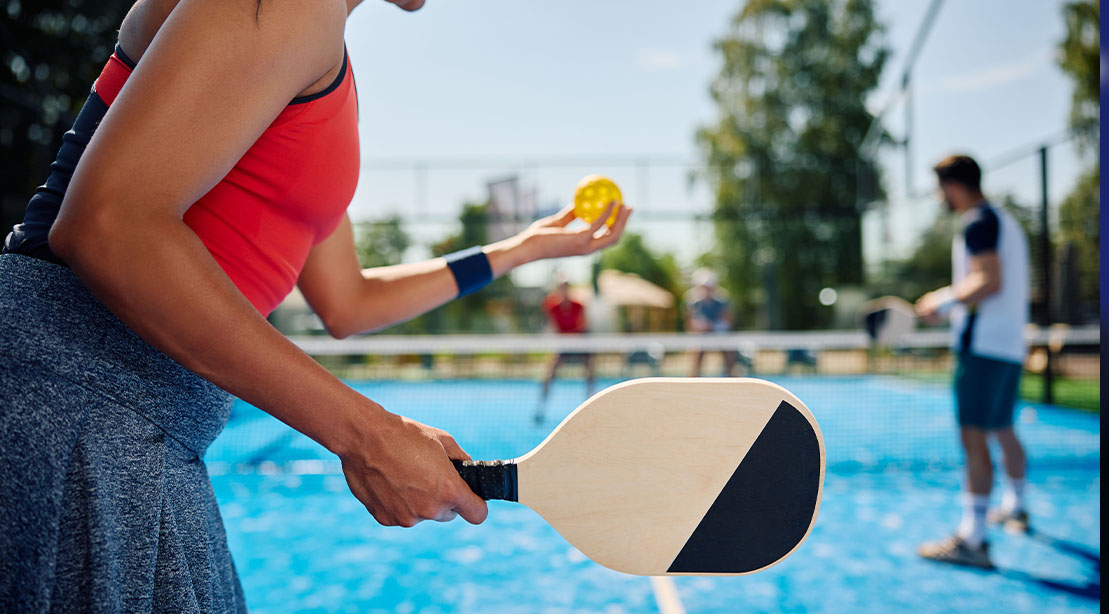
column 303, row 543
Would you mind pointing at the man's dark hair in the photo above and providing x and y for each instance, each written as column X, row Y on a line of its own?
column 961, row 169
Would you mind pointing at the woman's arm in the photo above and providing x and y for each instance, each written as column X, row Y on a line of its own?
column 351, row 300
column 210, row 83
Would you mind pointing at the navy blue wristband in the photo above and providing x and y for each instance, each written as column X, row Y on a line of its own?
column 471, row 269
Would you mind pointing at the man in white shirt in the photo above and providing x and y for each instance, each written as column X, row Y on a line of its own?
column 987, row 303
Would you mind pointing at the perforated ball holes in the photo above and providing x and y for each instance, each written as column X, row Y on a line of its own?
column 592, row 195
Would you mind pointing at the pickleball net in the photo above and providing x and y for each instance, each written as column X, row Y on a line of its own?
column 880, row 408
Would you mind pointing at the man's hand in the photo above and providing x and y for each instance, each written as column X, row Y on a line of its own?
column 403, row 475
column 927, row 307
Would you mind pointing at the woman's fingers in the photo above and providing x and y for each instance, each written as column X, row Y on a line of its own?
column 602, row 218
column 561, row 219
column 614, row 233
column 467, row 504
column 565, row 216
column 454, row 450
column 411, row 479
column 471, row 507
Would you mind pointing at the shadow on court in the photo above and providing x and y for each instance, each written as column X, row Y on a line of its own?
column 1090, row 589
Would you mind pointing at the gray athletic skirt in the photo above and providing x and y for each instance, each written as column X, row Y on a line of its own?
column 105, row 504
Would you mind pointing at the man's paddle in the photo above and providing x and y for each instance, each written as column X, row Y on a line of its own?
column 887, row 319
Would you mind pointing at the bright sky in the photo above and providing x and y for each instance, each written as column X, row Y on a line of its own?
column 522, row 82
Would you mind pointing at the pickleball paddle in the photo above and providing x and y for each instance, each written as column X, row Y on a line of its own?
column 673, row 476
column 887, row 319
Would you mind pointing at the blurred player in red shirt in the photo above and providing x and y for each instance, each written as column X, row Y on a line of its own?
column 567, row 316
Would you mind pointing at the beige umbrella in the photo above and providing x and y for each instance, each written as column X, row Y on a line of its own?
column 631, row 290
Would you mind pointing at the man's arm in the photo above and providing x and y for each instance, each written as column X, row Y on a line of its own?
column 983, row 278
column 983, row 281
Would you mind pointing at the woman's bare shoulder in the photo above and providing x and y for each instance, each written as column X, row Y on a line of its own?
column 318, row 24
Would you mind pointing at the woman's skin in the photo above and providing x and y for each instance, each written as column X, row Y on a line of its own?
column 171, row 134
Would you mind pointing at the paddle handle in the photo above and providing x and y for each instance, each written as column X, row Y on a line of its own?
column 489, row 479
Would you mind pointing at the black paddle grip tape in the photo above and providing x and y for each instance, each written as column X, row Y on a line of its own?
column 489, row 479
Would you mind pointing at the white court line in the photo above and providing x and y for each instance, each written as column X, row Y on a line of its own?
column 666, row 595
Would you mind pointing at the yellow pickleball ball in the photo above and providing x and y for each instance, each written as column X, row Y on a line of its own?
column 592, row 195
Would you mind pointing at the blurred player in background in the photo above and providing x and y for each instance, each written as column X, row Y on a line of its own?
column 987, row 303
column 707, row 310
column 566, row 316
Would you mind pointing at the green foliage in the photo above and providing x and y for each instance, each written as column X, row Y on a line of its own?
column 1079, row 393
column 631, row 255
column 1080, row 58
column 470, row 313
column 1080, row 225
column 1080, row 213
column 784, row 155
column 474, row 222
column 382, row 242
column 53, row 51
column 929, row 266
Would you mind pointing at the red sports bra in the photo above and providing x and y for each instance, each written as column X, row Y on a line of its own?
column 287, row 193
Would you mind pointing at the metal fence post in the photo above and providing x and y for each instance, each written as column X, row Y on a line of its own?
column 1045, row 272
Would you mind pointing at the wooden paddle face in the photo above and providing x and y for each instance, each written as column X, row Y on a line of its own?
column 667, row 476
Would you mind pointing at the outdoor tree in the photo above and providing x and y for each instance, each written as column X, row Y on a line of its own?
column 1079, row 57
column 927, row 268
column 1079, row 214
column 784, row 154
column 53, row 51
column 381, row 242
column 470, row 313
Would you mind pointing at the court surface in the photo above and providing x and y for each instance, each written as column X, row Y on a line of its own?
column 302, row 543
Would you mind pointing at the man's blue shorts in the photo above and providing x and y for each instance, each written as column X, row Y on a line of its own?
column 986, row 391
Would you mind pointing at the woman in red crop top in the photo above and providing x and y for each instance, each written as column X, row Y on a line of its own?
column 224, row 156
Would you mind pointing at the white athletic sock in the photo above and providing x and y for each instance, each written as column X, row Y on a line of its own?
column 1013, row 499
column 973, row 526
